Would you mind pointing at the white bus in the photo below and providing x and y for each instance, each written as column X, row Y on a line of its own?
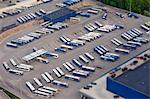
column 40, row 93
column 83, row 59
column 81, row 74
column 98, row 24
column 46, row 91
column 49, row 76
column 88, row 68
column 37, row 81
column 12, row 62
column 29, row 66
column 70, row 65
column 67, row 47
column 114, row 42
column 122, row 50
column 22, row 68
column 51, row 89
column 93, row 11
column 134, row 43
column 60, row 71
column 59, row 83
column 56, row 73
column 67, row 67
column 6, row 66
column 88, row 55
column 17, row 72
column 104, row 48
column 30, row 86
column 118, row 41
column 71, row 77
column 45, row 78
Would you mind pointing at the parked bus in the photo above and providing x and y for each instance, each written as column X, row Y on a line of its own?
column 46, row 91
column 103, row 47
column 88, row 55
column 59, row 83
column 106, row 58
column 67, row 67
column 40, row 93
column 114, row 42
column 93, row 11
column 17, row 72
column 51, row 89
column 116, row 56
column 63, row 40
column 60, row 71
column 28, row 66
column 88, row 68
column 122, row 50
column 98, row 24
column 38, row 82
column 11, row 45
column 49, row 76
column 71, row 77
column 12, row 62
column 98, row 51
column 22, row 68
column 6, row 66
column 56, row 73
column 125, row 37
column 75, row 61
column 67, row 47
column 70, row 65
column 83, row 59
column 134, row 43
column 81, row 74
column 129, row 46
column 30, row 86
column 145, row 28
column 118, row 41
column 45, row 78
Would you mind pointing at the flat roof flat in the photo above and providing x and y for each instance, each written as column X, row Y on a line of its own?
column 138, row 79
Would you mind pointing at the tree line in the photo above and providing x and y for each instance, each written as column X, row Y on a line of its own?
column 138, row 6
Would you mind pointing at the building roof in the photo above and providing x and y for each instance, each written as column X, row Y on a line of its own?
column 137, row 79
column 59, row 13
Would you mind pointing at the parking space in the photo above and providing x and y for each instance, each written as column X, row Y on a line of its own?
column 85, row 49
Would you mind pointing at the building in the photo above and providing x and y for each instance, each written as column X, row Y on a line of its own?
column 132, row 84
column 59, row 15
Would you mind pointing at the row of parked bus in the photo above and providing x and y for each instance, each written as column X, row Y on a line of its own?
column 17, row 68
column 71, row 2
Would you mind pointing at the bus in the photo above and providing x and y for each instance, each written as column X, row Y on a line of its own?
column 98, row 24
column 56, row 73
column 70, row 65
column 129, row 46
column 103, row 47
column 22, row 68
column 125, row 37
column 116, row 56
column 114, row 42
column 40, row 93
column 104, row 16
column 98, row 51
column 28, row 66
column 60, row 71
column 88, row 68
column 106, row 58
column 66, row 38
column 138, row 31
column 51, row 89
column 128, row 35
column 75, row 61
column 122, row 50
column 11, row 45
column 63, row 40
column 12, row 62
column 17, row 72
column 71, row 77
column 67, row 47
column 93, row 11
column 67, row 67
column 45, row 78
column 6, row 66
column 118, row 41
column 43, row 60
column 30, row 86
column 83, row 59
column 59, row 83
column 88, row 55
column 145, row 28
column 81, row 74
column 49, row 76
column 38, row 82
column 46, row 91
column 134, row 43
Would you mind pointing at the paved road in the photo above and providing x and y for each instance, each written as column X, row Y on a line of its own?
column 16, row 84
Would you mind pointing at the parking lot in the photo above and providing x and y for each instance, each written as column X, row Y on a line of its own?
column 16, row 84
